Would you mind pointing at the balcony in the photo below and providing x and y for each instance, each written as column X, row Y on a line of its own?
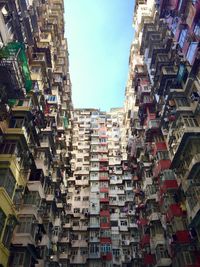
column 103, row 168
column 79, row 243
column 94, row 168
column 154, row 216
column 106, row 256
column 115, row 180
column 193, row 203
column 12, row 163
column 192, row 166
column 67, row 225
column 157, row 239
column 164, row 262
column 168, row 185
column 94, row 224
column 149, row 259
column 64, row 240
column 147, row 182
column 94, row 255
column 182, row 237
column 185, row 130
column 94, row 239
column 14, row 70
column 159, row 146
column 78, row 259
column 103, row 178
column 145, row 241
column 104, row 199
column 124, row 228
column 168, row 73
column 161, row 165
column 64, row 255
column 174, row 210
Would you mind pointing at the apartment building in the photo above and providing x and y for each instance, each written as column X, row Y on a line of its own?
column 35, row 132
column 100, row 227
column 164, row 131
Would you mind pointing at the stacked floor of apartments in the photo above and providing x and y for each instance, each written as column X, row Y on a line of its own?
column 35, row 132
column 100, row 226
column 163, row 127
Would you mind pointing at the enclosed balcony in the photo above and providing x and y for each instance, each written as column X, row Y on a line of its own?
column 94, row 222
column 156, row 235
column 14, row 70
column 185, row 131
column 162, row 256
column 94, row 251
column 175, row 210
column 193, row 202
column 166, row 77
column 25, row 232
column 145, row 240
column 161, row 165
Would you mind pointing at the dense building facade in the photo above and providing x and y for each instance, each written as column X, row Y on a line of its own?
column 162, row 121
column 35, row 131
column 99, row 201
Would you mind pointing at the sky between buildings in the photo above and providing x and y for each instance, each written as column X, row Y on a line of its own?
column 99, row 34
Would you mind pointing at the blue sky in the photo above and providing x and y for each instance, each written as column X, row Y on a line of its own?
column 99, row 34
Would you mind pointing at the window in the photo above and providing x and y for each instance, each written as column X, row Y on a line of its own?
column 10, row 225
column 192, row 52
column 182, row 101
column 197, row 29
column 77, row 198
column 182, row 37
column 32, row 198
column 105, row 233
column 94, row 220
column 75, row 223
column 123, row 223
column 74, row 252
column 17, row 122
column 8, row 147
column 94, row 248
column 83, row 251
column 161, row 252
column 35, row 69
column 2, row 221
column 190, row 121
column 162, row 155
column 114, row 223
column 103, row 184
column 187, row 258
column 76, row 210
column 193, row 196
column 18, row 259
column 7, row 181
column 26, row 225
column 105, row 248
column 85, row 198
column 116, row 252
column 52, row 98
column 75, row 237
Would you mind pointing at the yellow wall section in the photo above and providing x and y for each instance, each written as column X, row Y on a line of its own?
column 4, row 254
column 9, row 161
column 8, row 208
